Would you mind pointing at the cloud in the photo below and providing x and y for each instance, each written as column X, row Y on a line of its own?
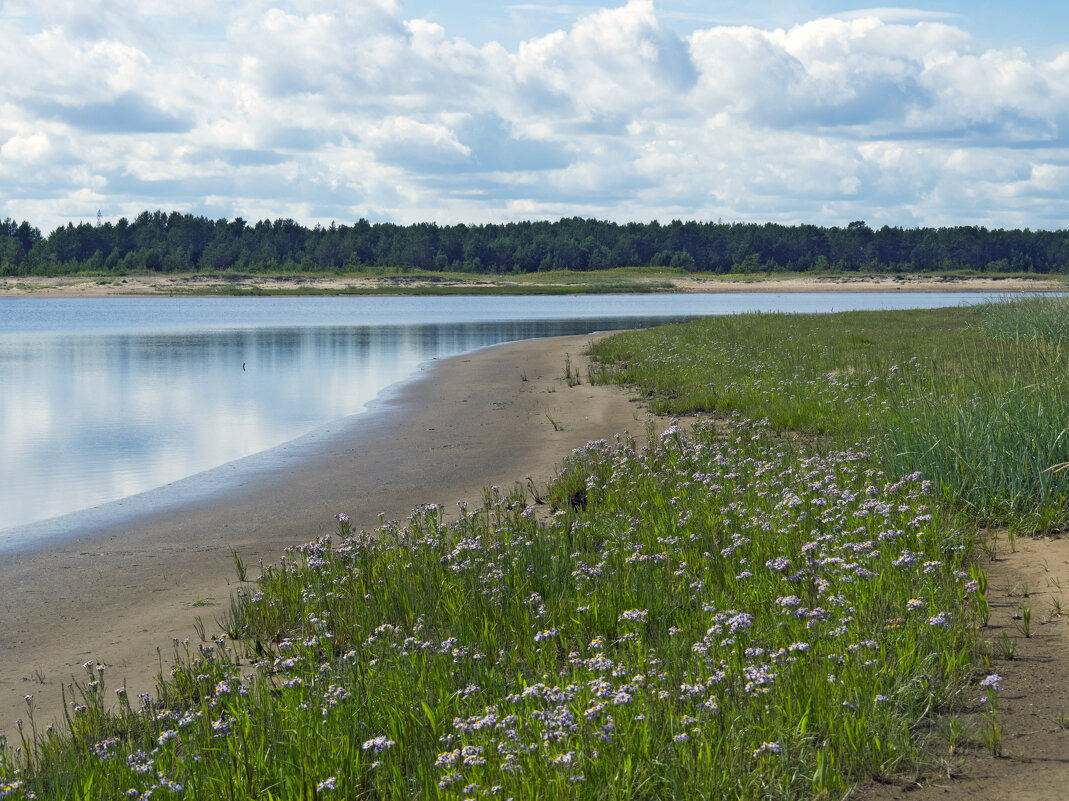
column 408, row 142
column 828, row 72
column 31, row 149
column 999, row 92
column 495, row 149
column 613, row 59
column 236, row 157
column 339, row 109
column 125, row 114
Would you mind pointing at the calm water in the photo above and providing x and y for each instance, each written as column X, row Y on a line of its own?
column 102, row 399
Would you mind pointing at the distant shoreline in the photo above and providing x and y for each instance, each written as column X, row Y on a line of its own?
column 577, row 283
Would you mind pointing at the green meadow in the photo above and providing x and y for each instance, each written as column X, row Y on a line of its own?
column 972, row 397
column 772, row 603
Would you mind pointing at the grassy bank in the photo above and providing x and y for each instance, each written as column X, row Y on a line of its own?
column 653, row 640
column 725, row 612
column 974, row 398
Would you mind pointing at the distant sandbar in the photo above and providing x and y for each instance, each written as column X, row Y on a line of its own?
column 142, row 285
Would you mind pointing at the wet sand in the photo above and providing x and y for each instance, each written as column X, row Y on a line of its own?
column 117, row 593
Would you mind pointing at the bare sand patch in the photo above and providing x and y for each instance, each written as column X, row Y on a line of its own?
column 141, row 285
column 1033, row 707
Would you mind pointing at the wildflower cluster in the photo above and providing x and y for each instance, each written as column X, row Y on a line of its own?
column 717, row 611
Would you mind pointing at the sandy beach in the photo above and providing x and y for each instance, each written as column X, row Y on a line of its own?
column 140, row 285
column 117, row 593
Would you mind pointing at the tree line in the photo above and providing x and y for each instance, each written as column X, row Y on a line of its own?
column 161, row 242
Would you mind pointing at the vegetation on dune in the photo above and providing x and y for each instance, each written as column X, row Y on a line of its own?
column 726, row 612
column 421, row 282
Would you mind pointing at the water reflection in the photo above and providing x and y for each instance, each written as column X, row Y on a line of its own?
column 101, row 399
column 93, row 418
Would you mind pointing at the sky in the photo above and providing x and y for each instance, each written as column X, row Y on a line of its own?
column 936, row 114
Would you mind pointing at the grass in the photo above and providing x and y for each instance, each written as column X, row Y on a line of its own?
column 727, row 612
column 1042, row 318
column 651, row 641
column 973, row 398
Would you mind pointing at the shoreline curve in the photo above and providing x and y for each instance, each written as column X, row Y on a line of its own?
column 119, row 591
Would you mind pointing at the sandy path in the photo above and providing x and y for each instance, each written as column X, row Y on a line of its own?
column 117, row 594
column 1033, row 707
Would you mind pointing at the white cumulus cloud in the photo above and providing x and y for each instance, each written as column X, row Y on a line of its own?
column 31, row 149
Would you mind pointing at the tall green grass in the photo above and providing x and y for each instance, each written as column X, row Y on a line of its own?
column 1043, row 317
column 974, row 398
column 996, row 442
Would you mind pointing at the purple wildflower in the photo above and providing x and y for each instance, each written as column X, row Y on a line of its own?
column 377, row 744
